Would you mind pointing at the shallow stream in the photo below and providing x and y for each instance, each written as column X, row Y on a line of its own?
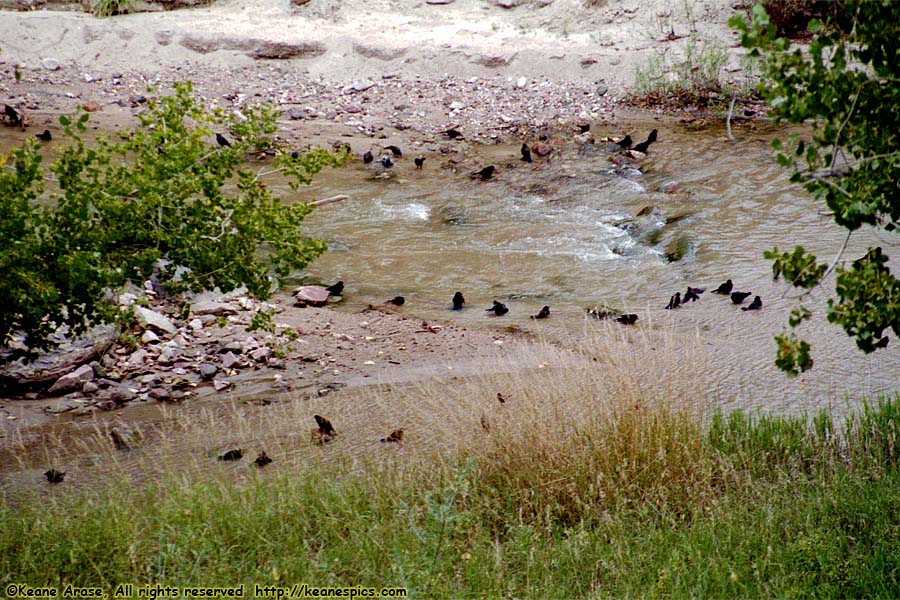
column 563, row 232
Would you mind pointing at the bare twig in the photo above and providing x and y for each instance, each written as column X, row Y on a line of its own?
column 337, row 198
column 728, row 120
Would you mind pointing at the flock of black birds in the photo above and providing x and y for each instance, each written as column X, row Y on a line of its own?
column 725, row 289
column 486, row 173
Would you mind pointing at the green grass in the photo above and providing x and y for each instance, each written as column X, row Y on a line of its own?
column 648, row 504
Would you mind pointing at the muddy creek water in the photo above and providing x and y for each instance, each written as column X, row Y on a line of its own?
column 563, row 232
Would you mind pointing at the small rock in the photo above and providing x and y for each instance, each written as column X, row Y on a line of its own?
column 51, row 64
column 89, row 387
column 138, row 358
column 195, row 324
column 295, row 114
column 153, row 319
column 149, row 337
column 457, row 105
column 601, row 89
column 121, row 395
column 314, row 295
column 209, row 307
column 361, row 86
column 261, row 354
column 92, row 106
column 229, row 360
column 208, row 371
column 221, row 384
column 73, row 380
column 521, row 82
column 161, row 394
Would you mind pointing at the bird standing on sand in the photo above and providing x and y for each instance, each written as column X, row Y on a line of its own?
column 724, row 289
column 674, row 301
column 14, row 118
column 628, row 319
column 396, row 437
column 386, row 162
column 526, row 153
column 738, row 297
column 420, row 161
column 336, row 289
column 625, row 142
column 755, row 305
column 643, row 146
column 397, row 301
column 543, row 314
column 46, row 136
column 367, row 157
column 55, row 476
column 262, row 460
column 325, row 431
column 485, row 173
column 222, row 141
column 691, row 295
column 453, row 133
column 233, row 455
column 458, row 301
column 499, row 309
column 395, row 151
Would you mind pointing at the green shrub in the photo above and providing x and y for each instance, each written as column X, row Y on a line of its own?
column 161, row 201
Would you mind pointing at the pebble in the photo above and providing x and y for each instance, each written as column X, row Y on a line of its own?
column 208, row 371
column 51, row 64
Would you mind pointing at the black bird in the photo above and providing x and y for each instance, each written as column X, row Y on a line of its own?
column 397, row 301
column 54, row 476
column 755, row 305
column 386, row 162
column 499, row 309
column 485, row 173
column 231, row 455
column 44, row 137
column 262, row 460
column 643, row 146
column 629, row 319
column 325, row 427
column 395, row 151
column 396, row 436
column 724, row 289
column 367, row 157
column 625, row 142
column 882, row 343
column 336, row 289
column 501, row 398
column 690, row 295
column 674, row 301
column 543, row 314
column 14, row 118
column 453, row 133
column 584, row 127
column 458, row 301
column 420, row 161
column 222, row 140
column 738, row 297
column 526, row 153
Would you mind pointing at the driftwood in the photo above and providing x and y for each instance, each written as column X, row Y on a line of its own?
column 337, row 198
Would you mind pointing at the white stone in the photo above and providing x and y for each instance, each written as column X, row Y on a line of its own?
column 149, row 337
column 75, row 379
column 521, row 82
column 151, row 318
